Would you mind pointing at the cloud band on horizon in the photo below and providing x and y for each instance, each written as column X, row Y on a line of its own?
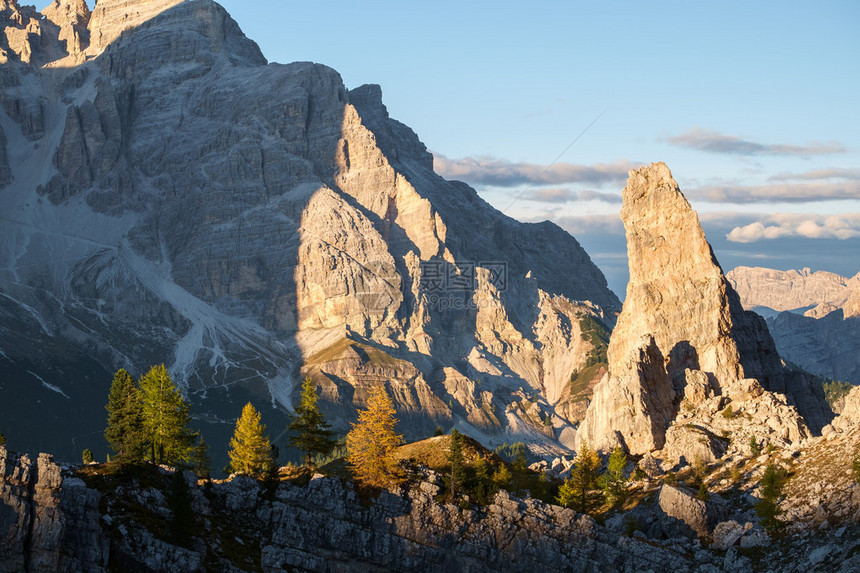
column 495, row 172
column 715, row 142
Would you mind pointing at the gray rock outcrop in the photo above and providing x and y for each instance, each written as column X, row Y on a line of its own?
column 322, row 526
column 683, row 347
column 701, row 516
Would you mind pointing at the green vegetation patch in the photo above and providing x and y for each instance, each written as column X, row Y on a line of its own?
column 835, row 391
column 580, row 381
column 597, row 334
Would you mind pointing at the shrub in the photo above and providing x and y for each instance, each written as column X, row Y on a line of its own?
column 700, row 469
column 87, row 456
column 855, row 465
column 631, row 525
column 735, row 475
column 729, row 413
column 755, row 448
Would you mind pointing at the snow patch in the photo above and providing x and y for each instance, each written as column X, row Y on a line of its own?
column 47, row 385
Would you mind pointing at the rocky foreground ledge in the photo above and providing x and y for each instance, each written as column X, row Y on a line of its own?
column 55, row 518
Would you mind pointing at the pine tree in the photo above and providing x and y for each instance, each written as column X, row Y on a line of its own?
column 125, row 430
column 310, row 433
column 772, row 485
column 166, row 417
column 183, row 520
column 202, row 462
column 503, row 476
column 567, row 494
column 250, row 450
column 2, row 439
column 87, row 456
column 458, row 468
column 584, row 478
column 614, row 482
column 372, row 442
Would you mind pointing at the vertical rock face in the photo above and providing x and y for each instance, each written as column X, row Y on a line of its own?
column 31, row 522
column 174, row 198
column 701, row 348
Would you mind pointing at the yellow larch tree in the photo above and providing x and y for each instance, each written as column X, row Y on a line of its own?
column 250, row 450
column 372, row 441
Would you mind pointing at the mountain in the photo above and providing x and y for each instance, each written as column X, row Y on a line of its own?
column 171, row 197
column 814, row 316
column 692, row 375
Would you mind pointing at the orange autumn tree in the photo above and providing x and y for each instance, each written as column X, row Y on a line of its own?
column 372, row 441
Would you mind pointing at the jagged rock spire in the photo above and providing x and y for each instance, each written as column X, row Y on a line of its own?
column 683, row 335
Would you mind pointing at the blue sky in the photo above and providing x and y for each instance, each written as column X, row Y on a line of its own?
column 753, row 105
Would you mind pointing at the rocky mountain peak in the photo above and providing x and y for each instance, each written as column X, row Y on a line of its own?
column 72, row 12
column 250, row 224
column 683, row 347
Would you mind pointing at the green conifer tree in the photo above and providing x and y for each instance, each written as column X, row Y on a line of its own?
column 202, row 462
column 125, row 429
column 167, row 418
column 182, row 522
column 2, row 439
column 87, row 456
column 614, row 482
column 584, row 478
column 250, row 450
column 502, row 477
column 772, row 485
column 458, row 467
column 567, row 494
column 310, row 432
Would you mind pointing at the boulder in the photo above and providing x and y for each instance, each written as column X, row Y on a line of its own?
column 701, row 516
column 726, row 534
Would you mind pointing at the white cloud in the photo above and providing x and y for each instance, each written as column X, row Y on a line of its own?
column 564, row 195
column 503, row 173
column 778, row 192
column 817, row 174
column 591, row 224
column 777, row 226
column 715, row 142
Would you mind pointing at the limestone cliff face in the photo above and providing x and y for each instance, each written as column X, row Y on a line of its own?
column 818, row 323
column 171, row 197
column 683, row 346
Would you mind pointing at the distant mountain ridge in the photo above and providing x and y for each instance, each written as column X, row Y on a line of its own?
column 791, row 289
column 169, row 196
column 815, row 316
